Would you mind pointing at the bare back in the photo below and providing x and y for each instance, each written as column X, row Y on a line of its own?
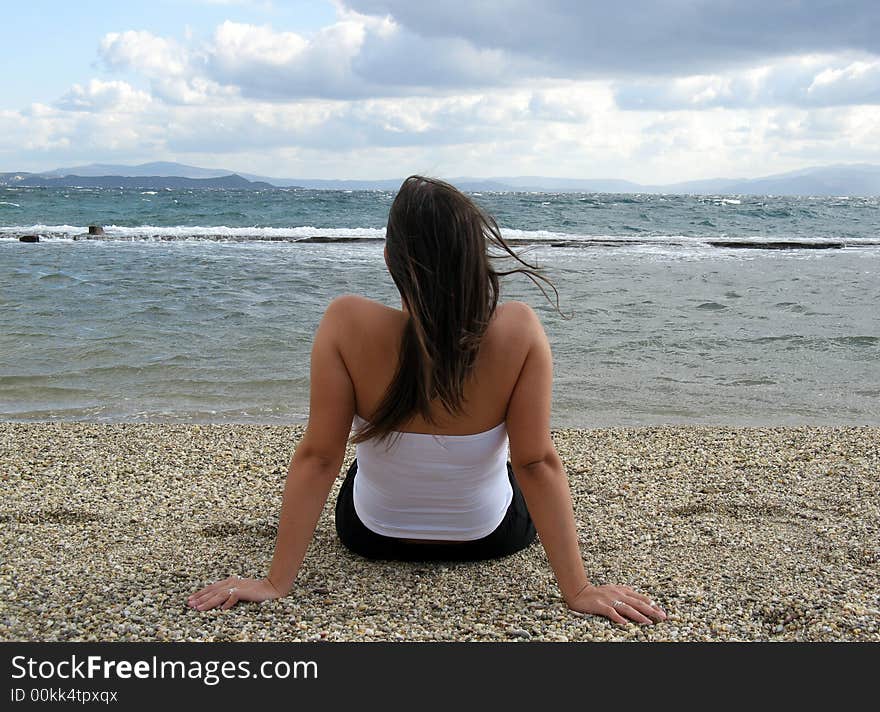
column 371, row 348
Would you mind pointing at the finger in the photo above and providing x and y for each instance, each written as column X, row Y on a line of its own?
column 625, row 609
column 206, row 604
column 215, row 587
column 657, row 608
column 611, row 612
column 213, row 601
column 640, row 596
column 629, row 593
column 231, row 601
column 645, row 608
column 207, row 590
column 195, row 599
column 203, row 591
column 203, row 596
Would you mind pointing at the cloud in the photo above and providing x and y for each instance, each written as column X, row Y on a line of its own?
column 401, row 61
column 856, row 83
column 155, row 57
column 809, row 81
column 632, row 90
column 262, row 4
column 356, row 57
column 104, row 96
column 340, row 127
column 79, row 134
column 498, row 132
column 175, row 72
column 642, row 37
column 571, row 102
column 266, row 63
column 428, row 49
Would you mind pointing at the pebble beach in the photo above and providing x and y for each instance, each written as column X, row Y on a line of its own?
column 741, row 534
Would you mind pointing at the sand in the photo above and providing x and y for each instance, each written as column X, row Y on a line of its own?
column 741, row 534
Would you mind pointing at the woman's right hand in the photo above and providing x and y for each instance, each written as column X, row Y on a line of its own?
column 229, row 591
column 619, row 603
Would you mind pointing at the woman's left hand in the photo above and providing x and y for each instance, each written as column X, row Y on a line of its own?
column 229, row 591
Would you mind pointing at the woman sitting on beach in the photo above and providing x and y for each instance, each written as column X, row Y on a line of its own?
column 436, row 392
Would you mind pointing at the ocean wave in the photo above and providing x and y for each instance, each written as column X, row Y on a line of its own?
column 190, row 232
column 516, row 237
column 193, row 232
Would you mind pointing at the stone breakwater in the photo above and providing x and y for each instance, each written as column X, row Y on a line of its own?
column 741, row 534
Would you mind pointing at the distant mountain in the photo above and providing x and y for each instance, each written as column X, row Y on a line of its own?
column 852, row 179
column 320, row 184
column 144, row 170
column 860, row 179
column 709, row 186
column 166, row 169
column 228, row 182
column 561, row 185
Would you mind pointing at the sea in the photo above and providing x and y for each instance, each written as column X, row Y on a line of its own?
column 199, row 306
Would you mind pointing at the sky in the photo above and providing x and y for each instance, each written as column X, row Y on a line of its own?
column 644, row 90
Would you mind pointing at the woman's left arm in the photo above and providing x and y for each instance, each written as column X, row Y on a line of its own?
column 313, row 469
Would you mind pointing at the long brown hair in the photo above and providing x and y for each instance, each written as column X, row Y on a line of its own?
column 437, row 243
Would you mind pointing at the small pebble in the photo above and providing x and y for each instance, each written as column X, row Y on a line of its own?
column 740, row 534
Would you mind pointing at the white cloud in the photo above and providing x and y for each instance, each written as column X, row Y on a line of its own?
column 574, row 102
column 284, row 65
column 565, row 129
column 808, row 81
column 175, row 72
column 83, row 133
column 356, row 57
column 97, row 95
column 264, row 4
column 642, row 37
column 155, row 57
column 855, row 83
column 397, row 61
column 496, row 88
column 363, row 56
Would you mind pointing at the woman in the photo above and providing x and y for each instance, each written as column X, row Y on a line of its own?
column 436, row 390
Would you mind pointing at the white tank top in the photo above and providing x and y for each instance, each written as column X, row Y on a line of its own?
column 421, row 486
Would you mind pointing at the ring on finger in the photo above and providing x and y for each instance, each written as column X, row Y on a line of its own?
column 617, row 603
column 232, row 590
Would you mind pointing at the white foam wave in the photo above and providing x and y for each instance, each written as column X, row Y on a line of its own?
column 194, row 232
column 14, row 205
column 519, row 238
column 542, row 235
column 47, row 230
column 306, row 231
column 539, row 236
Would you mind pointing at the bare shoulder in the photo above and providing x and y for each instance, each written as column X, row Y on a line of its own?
column 518, row 323
column 353, row 309
column 519, row 311
column 359, row 324
column 350, row 302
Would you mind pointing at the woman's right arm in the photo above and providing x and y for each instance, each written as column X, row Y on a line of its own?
column 541, row 477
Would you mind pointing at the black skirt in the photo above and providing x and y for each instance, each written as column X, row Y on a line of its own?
column 516, row 532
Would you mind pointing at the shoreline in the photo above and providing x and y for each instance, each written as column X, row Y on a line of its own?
column 740, row 533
